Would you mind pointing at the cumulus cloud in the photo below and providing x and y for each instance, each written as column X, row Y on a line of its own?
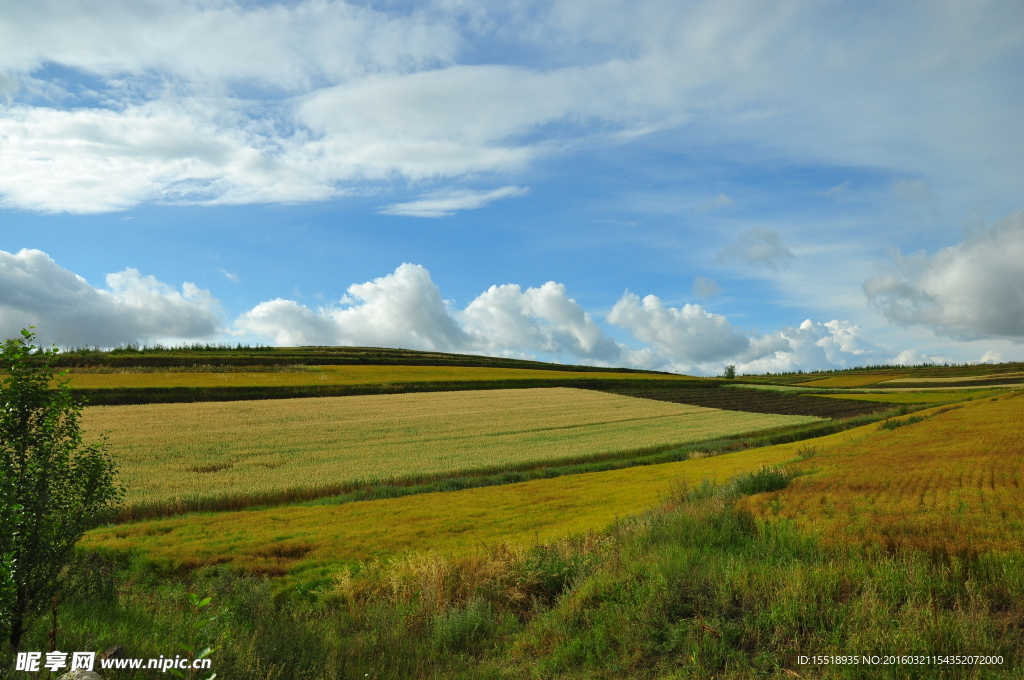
column 911, row 357
column 685, row 335
column 543, row 320
column 969, row 291
column 67, row 310
column 813, row 346
column 760, row 247
column 405, row 309
column 448, row 202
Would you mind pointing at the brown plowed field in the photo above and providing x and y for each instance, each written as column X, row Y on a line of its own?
column 756, row 401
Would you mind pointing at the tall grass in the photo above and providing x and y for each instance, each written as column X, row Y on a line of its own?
column 695, row 589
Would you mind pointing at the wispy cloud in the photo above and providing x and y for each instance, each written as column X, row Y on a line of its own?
column 758, row 246
column 916, row 191
column 720, row 202
column 445, row 203
column 838, row 190
column 230, row 276
column 704, row 288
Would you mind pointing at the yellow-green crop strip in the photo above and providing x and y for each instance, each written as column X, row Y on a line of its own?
column 254, row 449
column 915, row 397
column 290, row 539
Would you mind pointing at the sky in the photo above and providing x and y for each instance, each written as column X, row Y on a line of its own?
column 680, row 186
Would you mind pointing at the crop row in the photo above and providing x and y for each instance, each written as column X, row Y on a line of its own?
column 950, row 483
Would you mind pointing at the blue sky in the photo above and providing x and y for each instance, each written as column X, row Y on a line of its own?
column 672, row 185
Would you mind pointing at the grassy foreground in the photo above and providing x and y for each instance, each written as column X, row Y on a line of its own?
column 694, row 589
column 244, row 453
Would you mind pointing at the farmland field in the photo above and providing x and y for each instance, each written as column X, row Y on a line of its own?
column 327, row 375
column 261, row 450
column 276, row 540
column 951, row 483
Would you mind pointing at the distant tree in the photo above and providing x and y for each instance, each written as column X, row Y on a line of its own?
column 730, row 371
column 53, row 487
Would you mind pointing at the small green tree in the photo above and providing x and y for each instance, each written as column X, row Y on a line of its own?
column 54, row 487
column 9, row 518
column 730, row 371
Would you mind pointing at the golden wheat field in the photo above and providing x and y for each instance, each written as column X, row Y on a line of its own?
column 256, row 449
column 332, row 375
column 280, row 540
column 951, row 483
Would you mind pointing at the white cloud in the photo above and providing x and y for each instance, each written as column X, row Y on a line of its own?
column 224, row 42
column 36, row 291
column 969, row 291
column 403, row 309
column 448, row 202
column 302, row 101
column 230, row 276
column 760, row 247
column 685, row 335
column 813, row 346
column 992, row 357
column 911, row 357
column 97, row 160
column 542, row 320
